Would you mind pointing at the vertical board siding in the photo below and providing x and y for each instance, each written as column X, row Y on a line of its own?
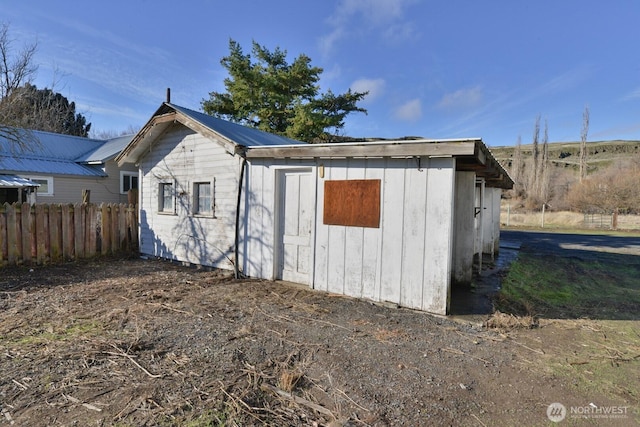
column 438, row 251
column 491, row 221
column 260, row 214
column 372, row 240
column 392, row 225
column 51, row 233
column 321, row 248
column 408, row 260
column 413, row 241
column 354, row 240
column 336, row 256
column 464, row 227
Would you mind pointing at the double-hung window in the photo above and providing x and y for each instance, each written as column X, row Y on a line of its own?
column 166, row 197
column 203, row 198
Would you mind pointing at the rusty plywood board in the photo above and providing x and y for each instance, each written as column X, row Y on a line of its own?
column 353, row 202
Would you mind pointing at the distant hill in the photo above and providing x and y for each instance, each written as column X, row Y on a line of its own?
column 567, row 154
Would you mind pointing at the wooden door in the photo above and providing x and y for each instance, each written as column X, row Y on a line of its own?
column 295, row 220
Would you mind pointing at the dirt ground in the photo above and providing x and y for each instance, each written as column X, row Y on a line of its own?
column 131, row 342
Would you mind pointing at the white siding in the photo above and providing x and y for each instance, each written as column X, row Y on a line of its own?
column 464, row 238
column 259, row 215
column 184, row 157
column 491, row 221
column 407, row 260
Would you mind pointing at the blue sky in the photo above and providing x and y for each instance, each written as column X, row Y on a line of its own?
column 436, row 69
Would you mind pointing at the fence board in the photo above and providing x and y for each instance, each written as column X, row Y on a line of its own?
column 115, row 229
column 68, row 238
column 42, row 233
column 13, row 252
column 78, row 228
column 105, row 228
column 3, row 236
column 27, row 231
column 90, row 229
column 55, row 230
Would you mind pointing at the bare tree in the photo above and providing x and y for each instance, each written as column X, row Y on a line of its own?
column 517, row 169
column 544, row 175
column 532, row 189
column 16, row 69
column 583, row 144
column 610, row 191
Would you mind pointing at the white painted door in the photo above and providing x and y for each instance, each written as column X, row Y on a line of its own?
column 296, row 202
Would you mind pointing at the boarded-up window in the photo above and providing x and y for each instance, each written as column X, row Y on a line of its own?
column 353, row 202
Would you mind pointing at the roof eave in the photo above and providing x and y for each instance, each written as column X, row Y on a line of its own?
column 158, row 124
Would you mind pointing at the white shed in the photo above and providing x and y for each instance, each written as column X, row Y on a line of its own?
column 393, row 221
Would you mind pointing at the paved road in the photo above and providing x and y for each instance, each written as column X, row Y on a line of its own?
column 584, row 246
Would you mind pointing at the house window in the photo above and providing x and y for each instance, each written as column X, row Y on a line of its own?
column 128, row 181
column 203, row 198
column 46, row 184
column 166, row 196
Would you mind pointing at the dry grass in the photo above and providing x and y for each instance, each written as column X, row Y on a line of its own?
column 289, row 378
column 504, row 321
column 561, row 219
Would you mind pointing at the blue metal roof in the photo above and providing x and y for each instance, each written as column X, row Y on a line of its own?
column 47, row 166
column 50, row 145
column 107, row 151
column 241, row 135
column 51, row 153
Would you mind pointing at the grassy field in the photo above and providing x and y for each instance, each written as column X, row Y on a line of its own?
column 570, row 288
column 587, row 314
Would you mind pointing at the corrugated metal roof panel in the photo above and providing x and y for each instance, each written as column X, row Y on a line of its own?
column 47, row 166
column 12, row 181
column 51, row 146
column 107, row 151
column 241, row 135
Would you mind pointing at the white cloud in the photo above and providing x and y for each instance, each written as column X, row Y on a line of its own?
column 409, row 111
column 386, row 16
column 461, row 99
column 375, row 87
column 632, row 95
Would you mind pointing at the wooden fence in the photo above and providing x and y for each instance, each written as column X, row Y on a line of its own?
column 42, row 233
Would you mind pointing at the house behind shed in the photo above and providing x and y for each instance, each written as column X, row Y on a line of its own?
column 395, row 221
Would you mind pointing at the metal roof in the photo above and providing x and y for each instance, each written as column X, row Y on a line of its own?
column 232, row 136
column 35, row 165
column 107, row 151
column 50, row 145
column 41, row 152
column 239, row 134
column 12, row 181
